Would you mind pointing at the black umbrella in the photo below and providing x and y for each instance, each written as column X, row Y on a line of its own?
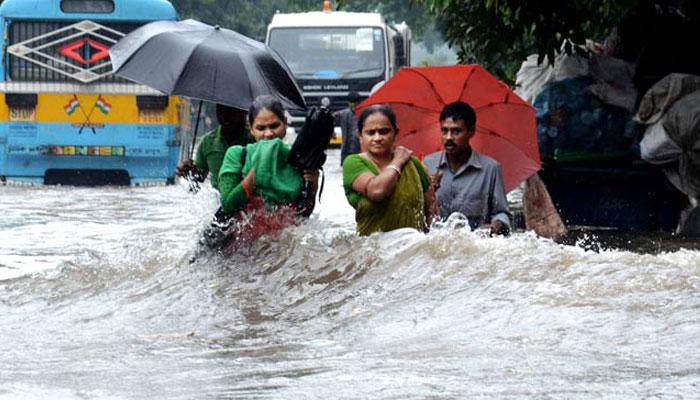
column 193, row 59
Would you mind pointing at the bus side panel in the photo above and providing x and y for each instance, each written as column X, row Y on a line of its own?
column 3, row 114
column 173, row 151
column 78, row 132
column 33, row 148
column 3, row 149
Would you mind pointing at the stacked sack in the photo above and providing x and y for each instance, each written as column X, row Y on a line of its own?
column 584, row 105
column 670, row 110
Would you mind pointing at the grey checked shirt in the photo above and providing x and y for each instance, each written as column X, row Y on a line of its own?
column 475, row 190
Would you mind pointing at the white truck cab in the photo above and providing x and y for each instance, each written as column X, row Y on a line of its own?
column 332, row 53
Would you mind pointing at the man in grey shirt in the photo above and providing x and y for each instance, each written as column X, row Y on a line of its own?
column 467, row 181
column 345, row 118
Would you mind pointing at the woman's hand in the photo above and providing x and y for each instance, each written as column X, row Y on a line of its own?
column 248, row 182
column 435, row 180
column 311, row 176
column 401, row 156
column 308, row 193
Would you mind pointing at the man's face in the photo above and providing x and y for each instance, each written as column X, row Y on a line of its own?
column 455, row 136
column 231, row 118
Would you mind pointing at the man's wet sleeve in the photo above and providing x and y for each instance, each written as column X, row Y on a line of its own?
column 200, row 159
column 499, row 201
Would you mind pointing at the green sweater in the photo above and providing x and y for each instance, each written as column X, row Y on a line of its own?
column 275, row 180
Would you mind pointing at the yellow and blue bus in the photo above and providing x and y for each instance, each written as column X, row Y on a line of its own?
column 64, row 117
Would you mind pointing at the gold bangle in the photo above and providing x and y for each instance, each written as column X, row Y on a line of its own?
column 395, row 168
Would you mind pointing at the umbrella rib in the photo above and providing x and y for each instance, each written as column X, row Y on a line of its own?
column 189, row 57
column 466, row 83
column 406, row 103
column 502, row 102
column 432, row 85
column 229, row 40
column 492, row 133
column 506, row 99
column 517, row 148
column 415, row 130
column 481, row 129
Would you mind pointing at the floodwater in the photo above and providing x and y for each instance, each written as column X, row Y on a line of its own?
column 103, row 295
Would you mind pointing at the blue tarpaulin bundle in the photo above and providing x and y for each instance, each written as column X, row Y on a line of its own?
column 571, row 123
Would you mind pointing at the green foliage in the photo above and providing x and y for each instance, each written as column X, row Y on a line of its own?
column 499, row 34
column 249, row 18
column 396, row 11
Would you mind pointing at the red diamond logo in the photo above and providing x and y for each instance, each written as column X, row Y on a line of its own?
column 78, row 49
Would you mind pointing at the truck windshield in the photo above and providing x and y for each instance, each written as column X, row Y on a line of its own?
column 331, row 53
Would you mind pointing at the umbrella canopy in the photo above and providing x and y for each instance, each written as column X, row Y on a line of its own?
column 193, row 59
column 505, row 124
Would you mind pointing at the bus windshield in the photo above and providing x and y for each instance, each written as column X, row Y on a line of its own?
column 331, row 53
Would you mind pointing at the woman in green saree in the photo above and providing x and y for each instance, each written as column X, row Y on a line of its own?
column 388, row 187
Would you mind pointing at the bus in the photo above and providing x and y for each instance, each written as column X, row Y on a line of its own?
column 332, row 53
column 64, row 117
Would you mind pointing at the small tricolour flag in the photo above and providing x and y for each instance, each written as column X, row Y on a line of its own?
column 72, row 105
column 103, row 105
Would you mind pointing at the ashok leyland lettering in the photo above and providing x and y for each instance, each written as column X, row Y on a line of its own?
column 64, row 117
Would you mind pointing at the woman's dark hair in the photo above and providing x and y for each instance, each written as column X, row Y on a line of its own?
column 460, row 110
column 266, row 102
column 377, row 108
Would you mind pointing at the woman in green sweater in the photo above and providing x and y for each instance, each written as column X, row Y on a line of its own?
column 257, row 179
column 388, row 187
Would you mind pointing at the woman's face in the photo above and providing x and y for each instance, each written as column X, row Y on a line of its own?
column 377, row 136
column 267, row 125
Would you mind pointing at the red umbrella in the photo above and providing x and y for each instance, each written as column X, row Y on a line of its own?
column 505, row 123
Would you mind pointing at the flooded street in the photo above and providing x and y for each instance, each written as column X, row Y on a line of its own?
column 104, row 295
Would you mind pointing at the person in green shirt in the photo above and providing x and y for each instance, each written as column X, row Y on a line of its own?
column 388, row 187
column 232, row 131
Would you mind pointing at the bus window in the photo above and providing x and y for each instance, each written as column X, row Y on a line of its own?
column 87, row 6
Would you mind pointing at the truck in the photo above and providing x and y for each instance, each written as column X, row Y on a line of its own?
column 332, row 53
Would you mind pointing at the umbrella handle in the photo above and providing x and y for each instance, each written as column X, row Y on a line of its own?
column 190, row 176
column 193, row 182
column 196, row 127
column 307, row 200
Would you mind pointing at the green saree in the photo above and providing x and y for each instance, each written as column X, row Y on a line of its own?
column 402, row 209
